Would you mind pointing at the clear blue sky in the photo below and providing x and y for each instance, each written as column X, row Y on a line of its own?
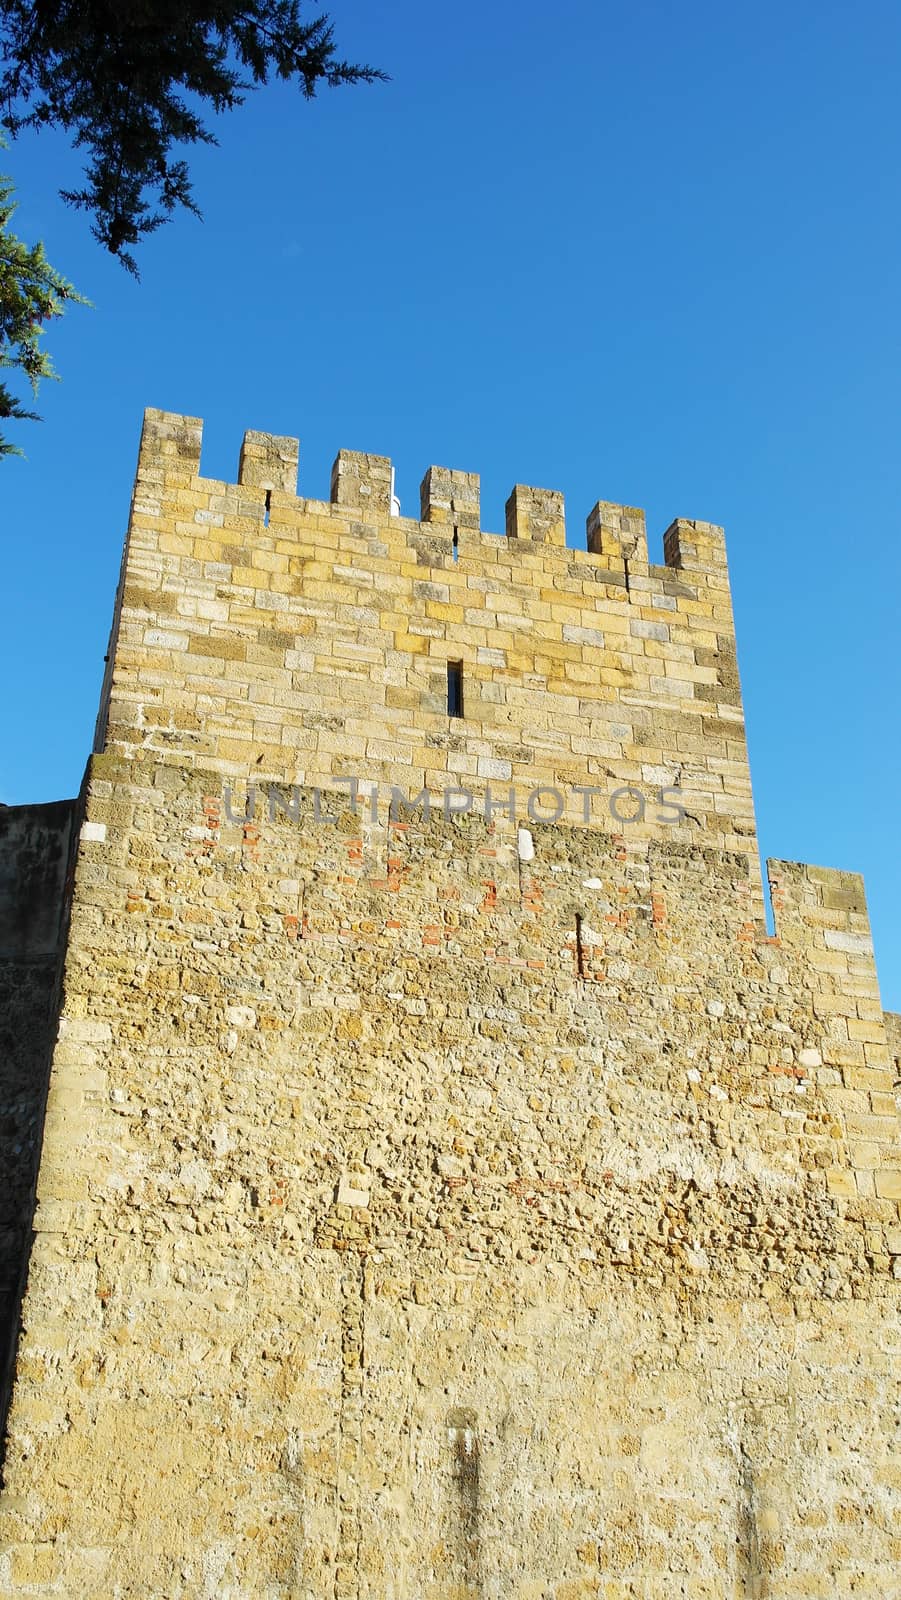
column 641, row 252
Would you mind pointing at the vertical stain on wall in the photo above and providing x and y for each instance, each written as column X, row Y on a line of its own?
column 464, row 1445
column 347, row 1569
column 751, row 1558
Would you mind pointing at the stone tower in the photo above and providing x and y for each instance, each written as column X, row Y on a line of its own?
column 448, row 1187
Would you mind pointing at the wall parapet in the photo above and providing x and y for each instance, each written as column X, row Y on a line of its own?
column 374, row 1136
column 262, row 630
column 450, row 499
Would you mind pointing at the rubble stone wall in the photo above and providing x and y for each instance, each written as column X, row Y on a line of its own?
column 434, row 1209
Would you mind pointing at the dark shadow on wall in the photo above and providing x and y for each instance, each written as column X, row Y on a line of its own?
column 36, row 858
column 751, row 1553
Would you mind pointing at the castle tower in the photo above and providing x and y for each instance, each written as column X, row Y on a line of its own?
column 448, row 1187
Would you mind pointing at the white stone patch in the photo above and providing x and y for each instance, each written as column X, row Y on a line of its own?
column 525, row 844
column 85, row 1029
column 195, row 1177
column 696, row 1258
column 854, row 944
column 219, row 1138
column 214, row 1564
column 349, row 1191
column 492, row 767
column 592, row 883
column 241, row 1016
column 165, row 639
column 93, row 831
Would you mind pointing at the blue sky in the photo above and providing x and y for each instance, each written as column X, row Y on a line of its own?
column 646, row 253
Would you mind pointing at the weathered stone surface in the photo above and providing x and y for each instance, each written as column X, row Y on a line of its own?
column 433, row 1207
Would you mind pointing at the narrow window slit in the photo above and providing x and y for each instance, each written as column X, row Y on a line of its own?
column 626, row 570
column 456, row 544
column 580, row 948
column 268, row 508
column 455, row 688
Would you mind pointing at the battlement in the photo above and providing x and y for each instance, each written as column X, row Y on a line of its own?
column 170, row 452
column 426, row 1072
column 263, row 634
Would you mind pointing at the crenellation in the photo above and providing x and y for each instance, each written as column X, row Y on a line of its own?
column 617, row 534
column 267, row 461
column 170, row 449
column 459, row 600
column 363, row 483
column 425, row 1073
column 691, row 546
column 452, row 497
column 537, row 515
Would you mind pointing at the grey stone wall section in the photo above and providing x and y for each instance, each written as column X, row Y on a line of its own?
column 35, row 848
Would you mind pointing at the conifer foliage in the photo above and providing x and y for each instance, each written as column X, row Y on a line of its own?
column 32, row 293
column 131, row 82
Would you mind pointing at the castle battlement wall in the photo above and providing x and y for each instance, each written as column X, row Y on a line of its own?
column 262, row 635
column 436, row 1207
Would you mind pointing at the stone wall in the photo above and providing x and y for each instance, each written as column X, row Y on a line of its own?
column 432, row 1209
column 269, row 637
column 35, row 846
